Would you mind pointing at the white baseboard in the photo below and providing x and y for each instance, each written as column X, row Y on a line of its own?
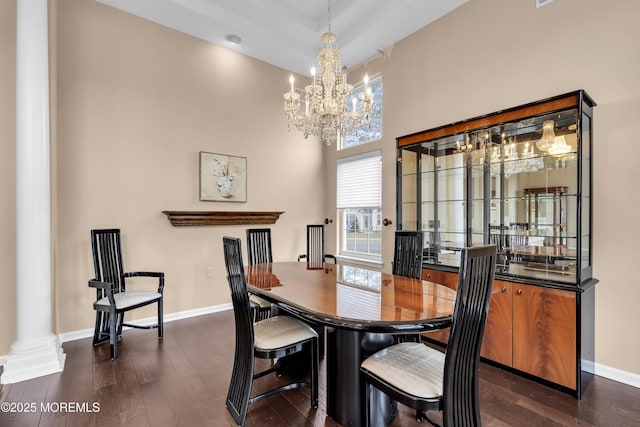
column 86, row 333
column 612, row 373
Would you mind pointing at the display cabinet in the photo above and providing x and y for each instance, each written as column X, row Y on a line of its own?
column 519, row 178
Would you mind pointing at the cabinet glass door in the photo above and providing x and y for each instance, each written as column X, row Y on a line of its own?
column 533, row 185
column 408, row 188
column 585, row 203
column 444, row 210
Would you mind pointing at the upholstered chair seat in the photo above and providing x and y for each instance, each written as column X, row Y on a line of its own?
column 409, row 366
column 130, row 299
column 281, row 331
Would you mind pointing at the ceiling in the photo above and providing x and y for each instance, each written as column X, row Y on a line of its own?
column 286, row 33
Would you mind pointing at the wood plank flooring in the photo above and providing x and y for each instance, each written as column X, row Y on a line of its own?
column 182, row 381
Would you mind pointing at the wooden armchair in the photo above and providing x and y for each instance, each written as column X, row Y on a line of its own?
column 113, row 299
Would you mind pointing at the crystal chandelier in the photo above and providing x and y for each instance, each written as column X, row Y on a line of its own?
column 326, row 110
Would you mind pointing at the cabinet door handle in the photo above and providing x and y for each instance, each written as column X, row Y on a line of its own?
column 504, row 289
column 519, row 291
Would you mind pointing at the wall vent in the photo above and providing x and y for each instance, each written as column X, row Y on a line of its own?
column 540, row 3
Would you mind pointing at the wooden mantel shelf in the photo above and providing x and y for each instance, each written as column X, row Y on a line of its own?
column 199, row 218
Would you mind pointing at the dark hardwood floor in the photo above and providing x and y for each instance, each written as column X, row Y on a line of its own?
column 182, row 381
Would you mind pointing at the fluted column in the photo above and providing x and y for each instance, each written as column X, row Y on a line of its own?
column 36, row 351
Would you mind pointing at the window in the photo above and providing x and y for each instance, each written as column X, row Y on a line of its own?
column 374, row 131
column 359, row 201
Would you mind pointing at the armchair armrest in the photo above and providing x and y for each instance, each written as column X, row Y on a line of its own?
column 159, row 275
column 103, row 288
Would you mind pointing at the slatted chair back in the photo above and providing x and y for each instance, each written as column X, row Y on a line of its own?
column 407, row 254
column 259, row 246
column 240, row 386
column 473, row 295
column 107, row 259
column 315, row 245
column 315, row 254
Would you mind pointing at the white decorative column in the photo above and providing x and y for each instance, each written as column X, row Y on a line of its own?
column 37, row 351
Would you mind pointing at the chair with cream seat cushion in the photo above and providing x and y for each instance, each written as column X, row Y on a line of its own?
column 426, row 379
column 274, row 337
column 113, row 298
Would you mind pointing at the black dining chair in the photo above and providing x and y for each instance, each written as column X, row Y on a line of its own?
column 426, row 379
column 407, row 254
column 113, row 298
column 407, row 262
column 315, row 254
column 275, row 337
column 259, row 252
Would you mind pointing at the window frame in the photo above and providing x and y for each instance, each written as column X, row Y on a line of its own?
column 345, row 212
column 376, row 115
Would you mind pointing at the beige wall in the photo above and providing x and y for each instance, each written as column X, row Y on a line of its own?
column 7, row 174
column 136, row 102
column 493, row 54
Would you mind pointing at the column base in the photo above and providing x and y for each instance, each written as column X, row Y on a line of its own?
column 33, row 359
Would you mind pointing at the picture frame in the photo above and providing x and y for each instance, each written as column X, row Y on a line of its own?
column 223, row 178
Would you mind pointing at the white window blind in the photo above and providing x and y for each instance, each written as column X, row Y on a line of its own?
column 359, row 181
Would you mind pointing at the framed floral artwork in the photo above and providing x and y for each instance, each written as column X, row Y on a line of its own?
column 223, row 178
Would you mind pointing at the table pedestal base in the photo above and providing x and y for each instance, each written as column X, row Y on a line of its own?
column 343, row 378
